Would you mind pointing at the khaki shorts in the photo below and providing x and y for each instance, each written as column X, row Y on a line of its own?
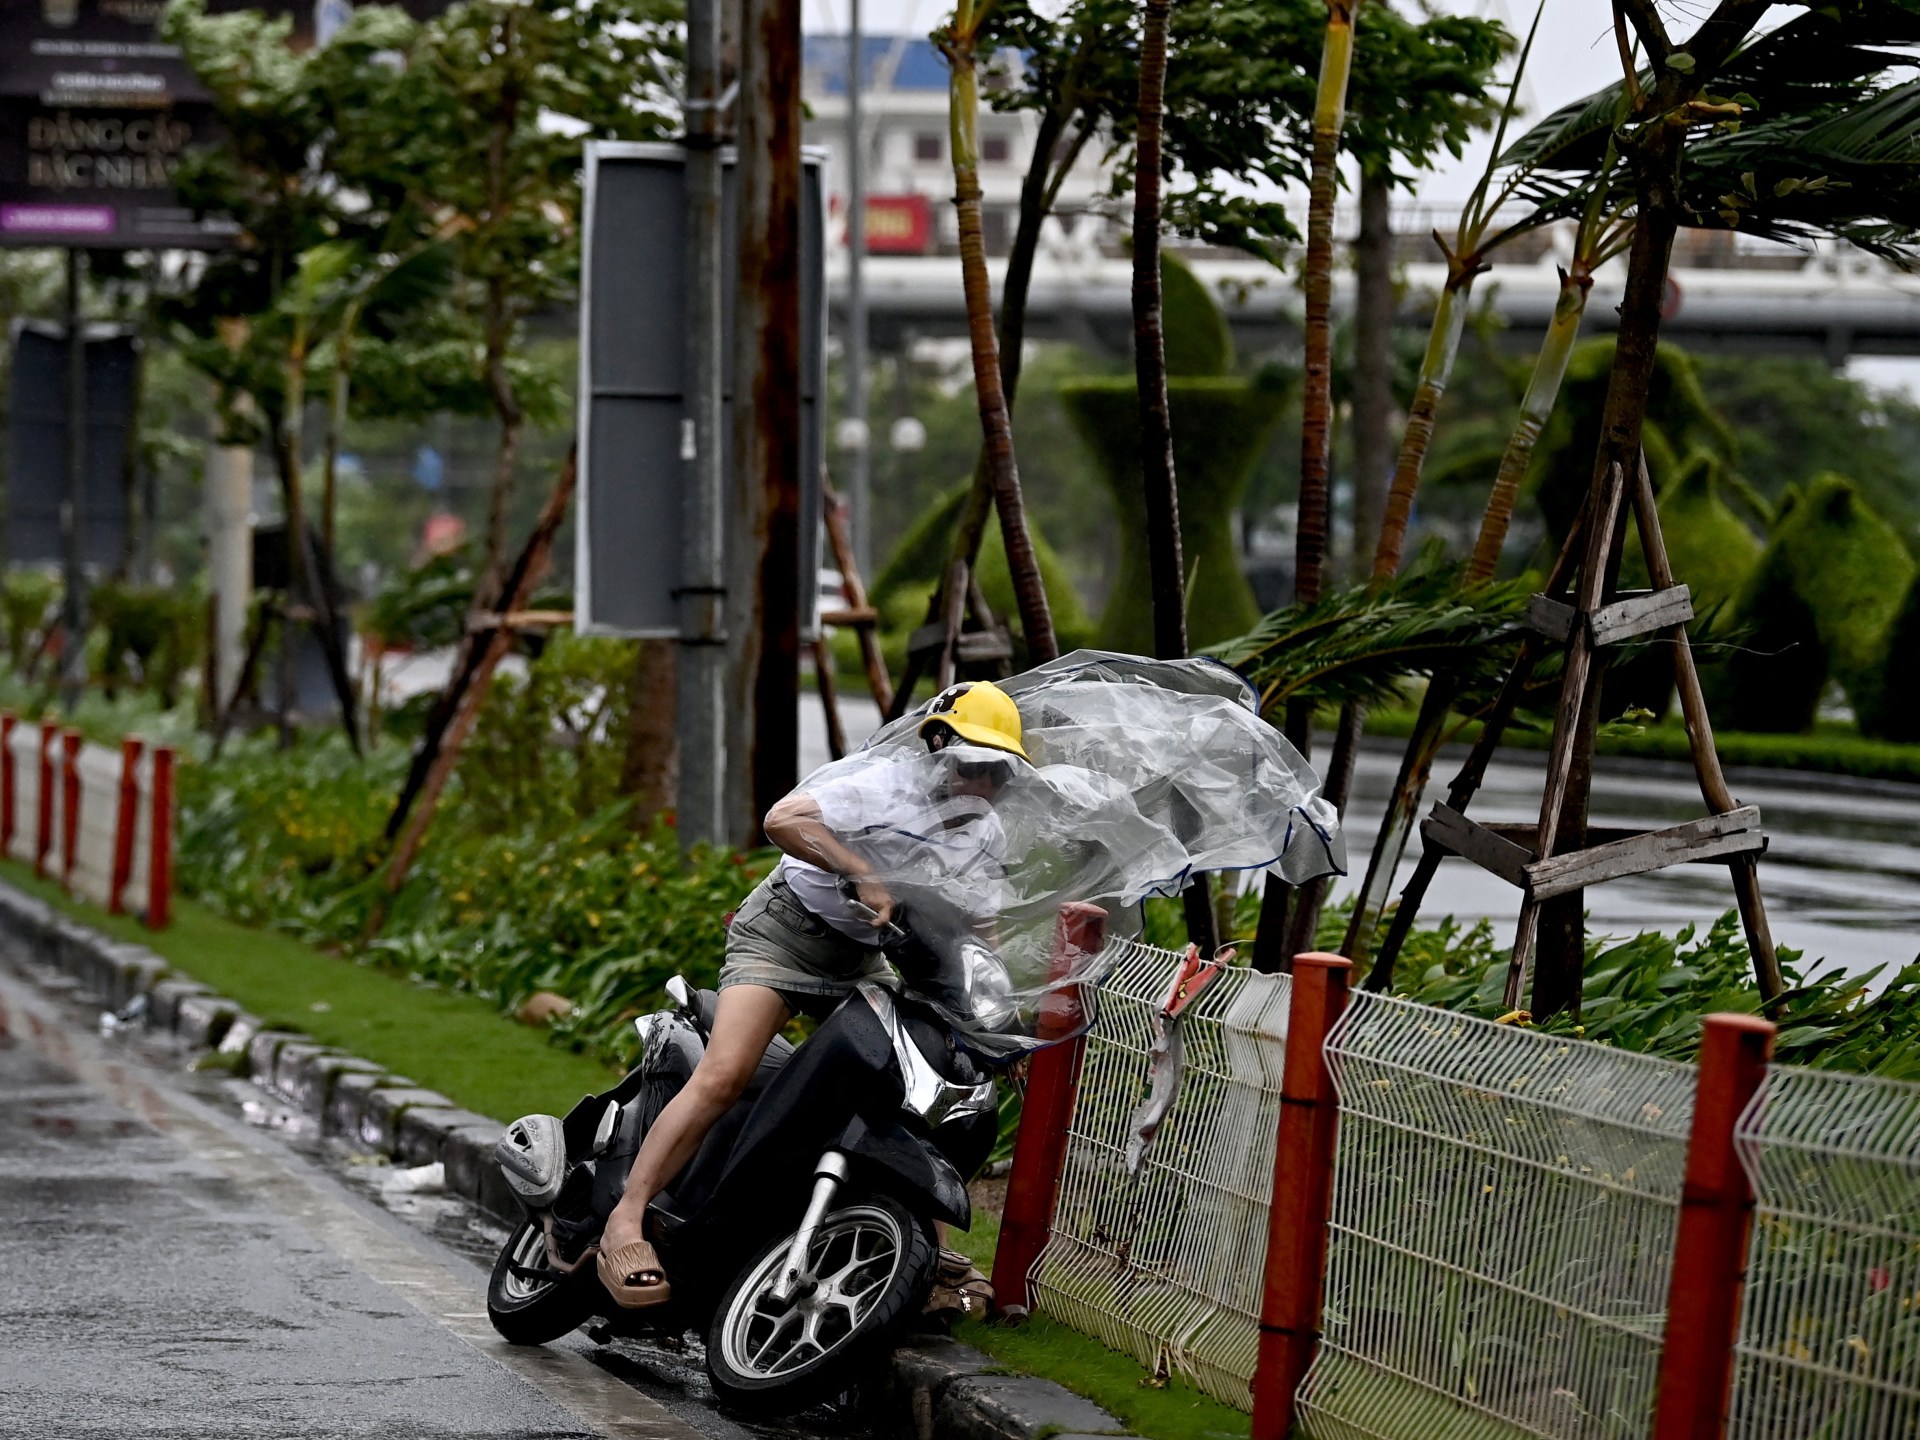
column 777, row 942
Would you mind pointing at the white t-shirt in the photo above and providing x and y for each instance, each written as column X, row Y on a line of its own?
column 896, row 816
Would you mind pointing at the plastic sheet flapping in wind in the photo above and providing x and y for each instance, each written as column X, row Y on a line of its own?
column 1166, row 1266
column 1142, row 773
column 1504, row 1212
column 1829, row 1342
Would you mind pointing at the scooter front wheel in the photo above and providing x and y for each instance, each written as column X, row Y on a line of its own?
column 872, row 1264
column 529, row 1310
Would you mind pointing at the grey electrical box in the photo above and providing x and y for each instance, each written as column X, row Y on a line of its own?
column 37, row 443
column 633, row 360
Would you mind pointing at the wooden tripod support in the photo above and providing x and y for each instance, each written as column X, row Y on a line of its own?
column 1533, row 858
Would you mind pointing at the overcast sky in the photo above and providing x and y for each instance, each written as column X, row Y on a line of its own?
column 1573, row 55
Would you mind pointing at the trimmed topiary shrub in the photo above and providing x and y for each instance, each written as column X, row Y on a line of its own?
column 1886, row 707
column 1818, row 605
column 1220, row 428
column 906, row 583
column 1198, row 339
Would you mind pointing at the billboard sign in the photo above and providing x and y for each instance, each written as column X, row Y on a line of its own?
column 37, row 484
column 899, row 225
column 633, row 360
column 95, row 114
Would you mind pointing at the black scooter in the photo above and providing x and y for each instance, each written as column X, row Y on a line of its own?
column 800, row 1236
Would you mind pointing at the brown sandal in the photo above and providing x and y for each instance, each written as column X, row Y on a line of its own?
column 633, row 1276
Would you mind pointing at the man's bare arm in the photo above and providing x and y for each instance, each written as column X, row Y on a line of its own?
column 796, row 827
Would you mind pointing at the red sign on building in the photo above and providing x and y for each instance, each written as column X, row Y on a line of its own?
column 899, row 225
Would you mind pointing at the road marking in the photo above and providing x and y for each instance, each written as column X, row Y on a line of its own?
column 388, row 1256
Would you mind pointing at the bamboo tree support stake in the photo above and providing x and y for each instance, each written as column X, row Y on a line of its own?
column 1710, row 1246
column 1569, row 724
column 1706, row 757
column 1296, row 1259
column 1046, row 1112
column 491, row 649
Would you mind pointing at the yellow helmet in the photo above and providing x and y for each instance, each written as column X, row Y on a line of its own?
column 981, row 714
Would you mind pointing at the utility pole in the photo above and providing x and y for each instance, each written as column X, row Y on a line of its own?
column 73, row 605
column 700, row 694
column 763, row 566
column 859, row 458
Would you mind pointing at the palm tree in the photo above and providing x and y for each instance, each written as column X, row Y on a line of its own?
column 1316, row 401
column 958, row 43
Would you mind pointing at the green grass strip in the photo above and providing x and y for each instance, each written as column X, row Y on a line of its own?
column 457, row 1044
column 1836, row 751
column 1116, row 1383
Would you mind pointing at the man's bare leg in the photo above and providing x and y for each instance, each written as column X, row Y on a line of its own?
column 748, row 1018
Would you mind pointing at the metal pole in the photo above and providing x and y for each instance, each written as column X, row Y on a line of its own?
column 701, row 717
column 73, row 608
column 1040, row 1146
column 859, row 459
column 1710, row 1243
column 1296, row 1261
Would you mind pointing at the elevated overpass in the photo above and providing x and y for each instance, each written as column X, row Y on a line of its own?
column 1833, row 306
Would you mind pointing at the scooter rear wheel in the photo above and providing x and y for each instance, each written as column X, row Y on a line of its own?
column 533, row 1311
column 873, row 1264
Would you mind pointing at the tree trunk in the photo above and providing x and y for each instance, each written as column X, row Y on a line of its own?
column 1316, row 403
column 1030, row 594
column 1372, row 367
column 763, row 573
column 1543, row 392
column 1159, row 483
column 650, row 766
column 1436, row 368
column 306, row 570
column 337, row 396
column 1656, row 159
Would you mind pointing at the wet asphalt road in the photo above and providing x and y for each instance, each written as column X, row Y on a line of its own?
column 172, row 1268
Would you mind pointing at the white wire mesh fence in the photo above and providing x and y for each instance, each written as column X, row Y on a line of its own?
column 1829, row 1343
column 1504, row 1210
column 1167, row 1266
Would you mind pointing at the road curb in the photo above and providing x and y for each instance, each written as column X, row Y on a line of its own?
column 936, row 1387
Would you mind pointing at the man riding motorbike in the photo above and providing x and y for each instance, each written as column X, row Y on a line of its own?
column 814, row 929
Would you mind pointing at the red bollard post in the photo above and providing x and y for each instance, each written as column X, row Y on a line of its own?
column 1040, row 1147
column 160, row 862
column 43, row 833
column 125, row 821
column 1710, row 1247
column 70, row 805
column 1302, row 1194
column 7, row 722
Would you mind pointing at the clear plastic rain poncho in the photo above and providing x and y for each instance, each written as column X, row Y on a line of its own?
column 1144, row 772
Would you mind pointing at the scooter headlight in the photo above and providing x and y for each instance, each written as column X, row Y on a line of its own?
column 989, row 985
